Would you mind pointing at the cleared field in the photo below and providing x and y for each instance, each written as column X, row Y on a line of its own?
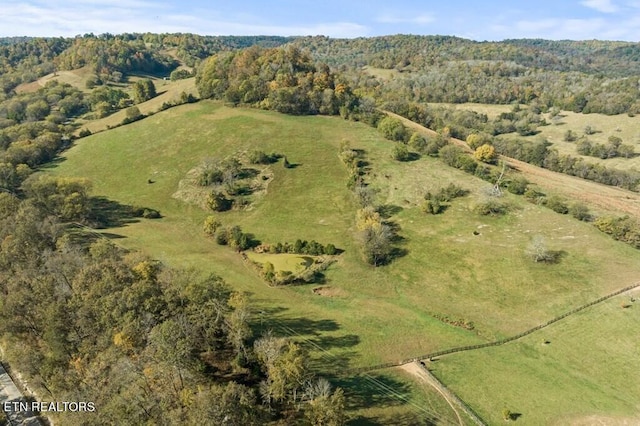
column 445, row 273
column 623, row 126
column 76, row 78
column 492, row 111
column 381, row 73
column 168, row 91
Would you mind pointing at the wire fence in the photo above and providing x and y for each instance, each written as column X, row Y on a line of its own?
column 494, row 343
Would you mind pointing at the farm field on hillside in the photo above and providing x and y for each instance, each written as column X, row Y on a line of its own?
column 601, row 127
column 454, row 268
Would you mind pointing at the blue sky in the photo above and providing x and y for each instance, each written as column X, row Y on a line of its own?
column 478, row 20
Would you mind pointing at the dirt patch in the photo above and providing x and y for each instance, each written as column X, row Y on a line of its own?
column 328, row 291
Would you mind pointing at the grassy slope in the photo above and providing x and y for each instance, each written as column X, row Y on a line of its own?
column 385, row 314
column 168, row 91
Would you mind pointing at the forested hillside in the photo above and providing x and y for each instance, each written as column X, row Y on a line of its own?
column 588, row 76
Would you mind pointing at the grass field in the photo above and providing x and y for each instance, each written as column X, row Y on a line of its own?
column 622, row 126
column 381, row 314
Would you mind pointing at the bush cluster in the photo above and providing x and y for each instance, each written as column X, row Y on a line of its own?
column 436, row 203
column 624, row 229
column 234, row 237
column 312, row 248
column 539, row 154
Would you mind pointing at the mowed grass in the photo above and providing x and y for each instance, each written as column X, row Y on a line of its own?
column 584, row 375
column 380, row 314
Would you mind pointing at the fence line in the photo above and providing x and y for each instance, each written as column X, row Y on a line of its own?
column 495, row 343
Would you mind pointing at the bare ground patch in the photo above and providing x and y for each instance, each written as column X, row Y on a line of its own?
column 328, row 291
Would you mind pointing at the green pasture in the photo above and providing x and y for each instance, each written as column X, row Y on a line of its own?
column 577, row 371
column 386, row 314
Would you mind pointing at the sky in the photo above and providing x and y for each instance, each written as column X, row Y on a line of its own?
column 472, row 19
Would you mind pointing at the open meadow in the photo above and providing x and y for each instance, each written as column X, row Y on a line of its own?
column 458, row 279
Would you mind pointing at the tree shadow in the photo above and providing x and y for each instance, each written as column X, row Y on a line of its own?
column 388, row 210
column 106, row 213
column 373, row 389
column 408, row 419
column 312, row 335
column 53, row 163
column 397, row 253
column 413, row 156
column 248, row 172
column 555, row 256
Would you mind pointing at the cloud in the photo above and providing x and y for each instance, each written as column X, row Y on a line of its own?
column 604, row 6
column 73, row 17
column 422, row 19
column 570, row 29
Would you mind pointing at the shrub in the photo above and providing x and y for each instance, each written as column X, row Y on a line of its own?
column 452, row 191
column 580, row 212
column 151, row 214
column 211, row 225
column 518, row 185
column 557, row 204
column 261, row 157
column 534, row 196
column 450, row 155
column 221, row 237
column 393, row 129
column 216, row 201
column 401, row 152
column 538, row 251
column 467, row 164
column 491, row 207
column 209, row 176
column 476, row 140
column 485, row 153
column 84, row 133
column 417, row 142
column 432, row 206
